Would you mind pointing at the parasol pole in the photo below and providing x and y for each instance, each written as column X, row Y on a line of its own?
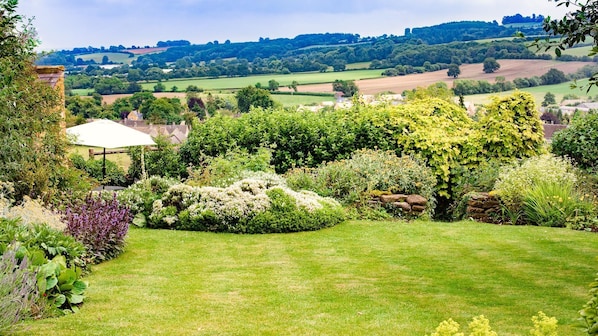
column 104, row 167
column 143, row 172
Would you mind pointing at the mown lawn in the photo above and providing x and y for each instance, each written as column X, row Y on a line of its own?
column 358, row 278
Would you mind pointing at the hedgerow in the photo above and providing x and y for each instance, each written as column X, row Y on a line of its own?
column 438, row 131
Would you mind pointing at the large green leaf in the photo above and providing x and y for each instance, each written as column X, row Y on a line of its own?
column 51, row 282
column 59, row 300
column 76, row 298
column 79, row 287
column 67, row 276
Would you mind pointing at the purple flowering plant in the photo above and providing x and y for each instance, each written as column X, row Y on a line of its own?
column 101, row 224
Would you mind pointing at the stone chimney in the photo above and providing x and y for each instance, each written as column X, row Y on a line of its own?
column 54, row 76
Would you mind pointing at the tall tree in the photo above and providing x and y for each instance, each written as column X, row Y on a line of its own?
column 33, row 146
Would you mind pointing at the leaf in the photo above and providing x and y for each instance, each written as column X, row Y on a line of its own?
column 59, row 300
column 51, row 282
column 67, row 276
column 79, row 287
column 76, row 298
column 139, row 220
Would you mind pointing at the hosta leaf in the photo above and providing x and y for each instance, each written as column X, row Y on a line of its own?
column 76, row 298
column 79, row 287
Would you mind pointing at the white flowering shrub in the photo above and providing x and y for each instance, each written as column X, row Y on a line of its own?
column 247, row 206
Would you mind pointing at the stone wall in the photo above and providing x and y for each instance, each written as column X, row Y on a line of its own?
column 410, row 205
column 483, row 207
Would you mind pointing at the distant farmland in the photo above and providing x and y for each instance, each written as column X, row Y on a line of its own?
column 509, row 69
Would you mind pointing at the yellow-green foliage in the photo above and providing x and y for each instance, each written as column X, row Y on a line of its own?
column 480, row 326
column 544, row 325
column 511, row 127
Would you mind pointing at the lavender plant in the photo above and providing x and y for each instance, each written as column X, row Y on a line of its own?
column 101, row 225
column 18, row 290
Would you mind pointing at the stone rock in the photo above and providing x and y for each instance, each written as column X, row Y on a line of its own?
column 472, row 210
column 479, row 196
column 403, row 206
column 416, row 200
column 393, row 198
column 418, row 208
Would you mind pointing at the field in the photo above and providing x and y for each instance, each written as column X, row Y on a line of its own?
column 114, row 57
column 358, row 278
column 368, row 81
column 215, row 84
column 509, row 69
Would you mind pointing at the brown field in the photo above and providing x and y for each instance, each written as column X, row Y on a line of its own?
column 144, row 51
column 509, row 69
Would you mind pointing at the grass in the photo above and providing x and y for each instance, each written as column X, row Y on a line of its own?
column 212, row 84
column 358, row 278
column 114, row 57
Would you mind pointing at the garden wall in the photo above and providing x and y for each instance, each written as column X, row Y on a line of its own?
column 412, row 205
column 483, row 207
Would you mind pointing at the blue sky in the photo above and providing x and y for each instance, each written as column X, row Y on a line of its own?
column 64, row 24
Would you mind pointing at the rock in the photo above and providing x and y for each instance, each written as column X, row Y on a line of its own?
column 403, row 206
column 393, row 198
column 418, row 208
column 416, row 200
column 472, row 210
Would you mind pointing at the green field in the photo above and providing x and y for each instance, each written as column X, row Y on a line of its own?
column 295, row 100
column 114, row 57
column 580, row 51
column 358, row 278
column 559, row 90
column 212, row 84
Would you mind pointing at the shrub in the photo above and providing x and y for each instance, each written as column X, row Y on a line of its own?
column 547, row 203
column 18, row 290
column 163, row 161
column 578, row 142
column 57, row 254
column 115, row 175
column 225, row 169
column 589, row 312
column 247, row 206
column 40, row 237
column 366, row 172
column 101, row 225
column 514, row 181
column 140, row 196
column 480, row 326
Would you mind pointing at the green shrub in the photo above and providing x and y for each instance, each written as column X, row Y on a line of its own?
column 589, row 312
column 247, row 206
column 140, row 196
column 480, row 326
column 578, row 142
column 514, row 181
column 58, row 255
column 115, row 175
column 225, row 169
column 551, row 204
column 367, row 171
column 163, row 161
column 40, row 237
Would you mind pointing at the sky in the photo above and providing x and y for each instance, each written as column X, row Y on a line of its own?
column 66, row 24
